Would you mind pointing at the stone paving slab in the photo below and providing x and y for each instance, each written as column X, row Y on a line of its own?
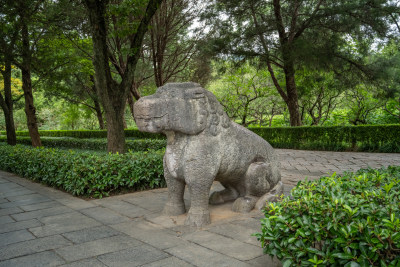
column 46, row 258
column 135, row 256
column 6, row 219
column 171, row 261
column 41, row 226
column 15, row 237
column 92, row 262
column 63, row 223
column 97, row 247
column 32, row 246
column 91, row 234
column 201, row 256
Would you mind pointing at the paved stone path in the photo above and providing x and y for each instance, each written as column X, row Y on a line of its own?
column 41, row 226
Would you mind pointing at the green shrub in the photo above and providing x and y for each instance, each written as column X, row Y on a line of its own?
column 93, row 143
column 86, row 174
column 89, row 133
column 349, row 220
column 372, row 138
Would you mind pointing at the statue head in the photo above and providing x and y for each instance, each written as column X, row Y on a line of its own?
column 180, row 107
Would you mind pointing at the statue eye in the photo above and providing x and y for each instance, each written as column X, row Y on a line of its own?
column 198, row 95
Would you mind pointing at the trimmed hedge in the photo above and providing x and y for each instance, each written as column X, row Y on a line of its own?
column 377, row 138
column 135, row 133
column 83, row 173
column 349, row 220
column 92, row 144
column 372, row 138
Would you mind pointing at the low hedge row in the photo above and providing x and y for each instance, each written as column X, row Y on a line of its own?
column 377, row 138
column 349, row 220
column 373, row 138
column 93, row 143
column 83, row 173
column 89, row 133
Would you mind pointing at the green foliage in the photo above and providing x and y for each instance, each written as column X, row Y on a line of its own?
column 349, row 220
column 371, row 138
column 380, row 138
column 89, row 133
column 93, row 143
column 83, row 173
column 247, row 94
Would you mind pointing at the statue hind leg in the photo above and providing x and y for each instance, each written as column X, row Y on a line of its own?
column 260, row 178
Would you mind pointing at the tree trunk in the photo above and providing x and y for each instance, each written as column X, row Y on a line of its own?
column 106, row 88
column 10, row 128
column 115, row 131
column 30, row 110
column 113, row 95
column 99, row 114
column 130, row 103
column 291, row 90
column 6, row 104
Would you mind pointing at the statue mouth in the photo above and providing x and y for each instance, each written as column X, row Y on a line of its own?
column 153, row 124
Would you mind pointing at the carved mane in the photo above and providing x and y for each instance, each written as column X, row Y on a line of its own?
column 210, row 111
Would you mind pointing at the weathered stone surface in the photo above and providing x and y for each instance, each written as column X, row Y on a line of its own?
column 92, row 262
column 204, row 145
column 171, row 261
column 46, row 258
column 201, row 256
column 14, row 226
column 104, row 215
column 15, row 237
column 149, row 234
column 32, row 246
column 97, row 247
column 136, row 256
column 224, row 245
column 91, row 234
column 63, row 223
column 5, row 219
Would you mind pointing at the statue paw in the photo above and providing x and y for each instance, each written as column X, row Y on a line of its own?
column 198, row 217
column 244, row 204
column 271, row 196
column 171, row 209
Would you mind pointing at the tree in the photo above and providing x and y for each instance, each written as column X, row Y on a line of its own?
column 245, row 94
column 8, row 38
column 24, row 15
column 113, row 94
column 362, row 101
column 61, row 78
column 7, row 101
column 170, row 51
column 288, row 34
column 319, row 94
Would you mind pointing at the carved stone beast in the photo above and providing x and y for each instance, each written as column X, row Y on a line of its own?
column 203, row 145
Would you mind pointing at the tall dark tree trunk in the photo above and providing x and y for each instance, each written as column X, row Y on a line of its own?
column 292, row 100
column 133, row 94
column 30, row 109
column 99, row 114
column 113, row 95
column 115, row 130
column 107, row 89
column 130, row 103
column 6, row 104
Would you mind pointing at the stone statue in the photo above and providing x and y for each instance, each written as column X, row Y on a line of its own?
column 204, row 145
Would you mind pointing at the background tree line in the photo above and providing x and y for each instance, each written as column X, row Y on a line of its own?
column 270, row 62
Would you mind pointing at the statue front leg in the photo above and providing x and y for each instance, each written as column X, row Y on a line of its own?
column 199, row 184
column 176, row 188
